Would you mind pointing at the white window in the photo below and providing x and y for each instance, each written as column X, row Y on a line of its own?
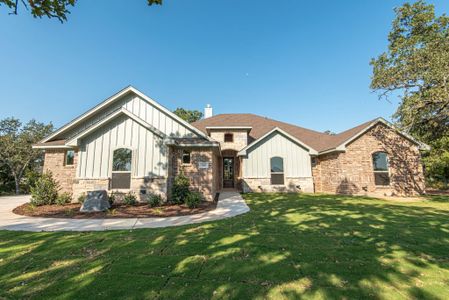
column 186, row 157
column 277, row 170
column 380, row 167
column 69, row 157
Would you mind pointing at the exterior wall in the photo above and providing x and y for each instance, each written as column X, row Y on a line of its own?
column 296, row 159
column 292, row 184
column 143, row 110
column 240, row 138
column 64, row 175
column 351, row 172
column 149, row 155
column 201, row 180
column 138, row 185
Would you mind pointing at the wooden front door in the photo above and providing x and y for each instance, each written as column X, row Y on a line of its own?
column 228, row 172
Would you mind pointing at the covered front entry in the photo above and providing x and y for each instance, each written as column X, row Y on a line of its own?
column 228, row 172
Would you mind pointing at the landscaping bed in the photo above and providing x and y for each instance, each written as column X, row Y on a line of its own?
column 117, row 210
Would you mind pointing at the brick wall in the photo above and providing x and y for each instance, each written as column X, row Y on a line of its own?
column 64, row 175
column 200, row 179
column 351, row 172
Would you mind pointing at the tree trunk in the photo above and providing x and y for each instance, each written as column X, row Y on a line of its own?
column 17, row 180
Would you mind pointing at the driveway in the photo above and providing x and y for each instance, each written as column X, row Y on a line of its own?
column 229, row 204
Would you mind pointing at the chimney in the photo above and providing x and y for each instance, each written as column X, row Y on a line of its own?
column 208, row 111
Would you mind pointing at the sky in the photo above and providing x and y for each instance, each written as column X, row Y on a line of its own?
column 302, row 62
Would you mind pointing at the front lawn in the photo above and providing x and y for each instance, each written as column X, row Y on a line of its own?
column 286, row 247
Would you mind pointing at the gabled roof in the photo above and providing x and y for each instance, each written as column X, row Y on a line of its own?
column 244, row 151
column 321, row 142
column 109, row 101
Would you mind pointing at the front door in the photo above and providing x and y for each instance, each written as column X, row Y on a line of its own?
column 228, row 172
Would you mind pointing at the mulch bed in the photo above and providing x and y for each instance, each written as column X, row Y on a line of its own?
column 118, row 210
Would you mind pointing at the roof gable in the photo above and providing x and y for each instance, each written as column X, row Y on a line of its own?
column 244, row 151
column 112, row 103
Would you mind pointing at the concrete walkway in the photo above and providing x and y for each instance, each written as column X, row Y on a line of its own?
column 230, row 204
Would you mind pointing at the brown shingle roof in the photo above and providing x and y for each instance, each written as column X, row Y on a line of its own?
column 261, row 125
column 52, row 143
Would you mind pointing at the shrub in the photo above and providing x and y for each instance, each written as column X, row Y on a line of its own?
column 180, row 189
column 193, row 199
column 154, row 200
column 82, row 198
column 130, row 199
column 64, row 198
column 112, row 198
column 45, row 190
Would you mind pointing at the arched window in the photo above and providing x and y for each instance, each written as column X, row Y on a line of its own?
column 277, row 170
column 380, row 168
column 121, row 168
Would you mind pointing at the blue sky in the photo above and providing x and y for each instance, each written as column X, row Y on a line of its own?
column 303, row 62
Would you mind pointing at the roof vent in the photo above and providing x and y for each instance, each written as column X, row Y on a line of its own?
column 208, row 111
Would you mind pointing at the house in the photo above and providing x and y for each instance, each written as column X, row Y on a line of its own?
column 129, row 142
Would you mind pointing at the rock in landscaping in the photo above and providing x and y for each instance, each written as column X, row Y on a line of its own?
column 96, row 201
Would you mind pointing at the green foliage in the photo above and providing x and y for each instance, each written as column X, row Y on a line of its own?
column 193, row 199
column 45, row 191
column 189, row 116
column 58, row 9
column 112, row 198
column 415, row 67
column 180, row 189
column 16, row 155
column 154, row 200
column 436, row 162
column 63, row 198
column 130, row 199
column 82, row 198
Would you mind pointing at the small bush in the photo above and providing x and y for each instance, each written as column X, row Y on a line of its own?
column 130, row 199
column 45, row 190
column 82, row 198
column 180, row 189
column 154, row 200
column 193, row 199
column 64, row 198
column 112, row 198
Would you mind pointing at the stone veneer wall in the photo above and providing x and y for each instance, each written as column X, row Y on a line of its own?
column 240, row 139
column 200, row 179
column 291, row 185
column 64, row 175
column 351, row 172
column 148, row 185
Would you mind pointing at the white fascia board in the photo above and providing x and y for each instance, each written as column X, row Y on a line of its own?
column 112, row 99
column 248, row 128
column 53, row 147
column 244, row 151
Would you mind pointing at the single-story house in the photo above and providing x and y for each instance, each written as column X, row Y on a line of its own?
column 129, row 142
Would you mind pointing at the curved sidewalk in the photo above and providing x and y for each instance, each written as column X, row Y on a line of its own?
column 230, row 204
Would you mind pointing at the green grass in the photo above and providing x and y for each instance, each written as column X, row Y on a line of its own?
column 286, row 247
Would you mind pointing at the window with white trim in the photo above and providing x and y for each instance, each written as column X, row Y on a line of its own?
column 277, row 170
column 380, row 168
column 186, row 157
column 69, row 157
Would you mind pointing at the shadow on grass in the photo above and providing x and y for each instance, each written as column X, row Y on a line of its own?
column 288, row 246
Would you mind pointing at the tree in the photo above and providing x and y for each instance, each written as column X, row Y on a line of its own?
column 58, row 9
column 17, row 155
column 188, row 115
column 416, row 68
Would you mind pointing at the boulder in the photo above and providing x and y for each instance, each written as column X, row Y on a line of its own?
column 96, row 201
